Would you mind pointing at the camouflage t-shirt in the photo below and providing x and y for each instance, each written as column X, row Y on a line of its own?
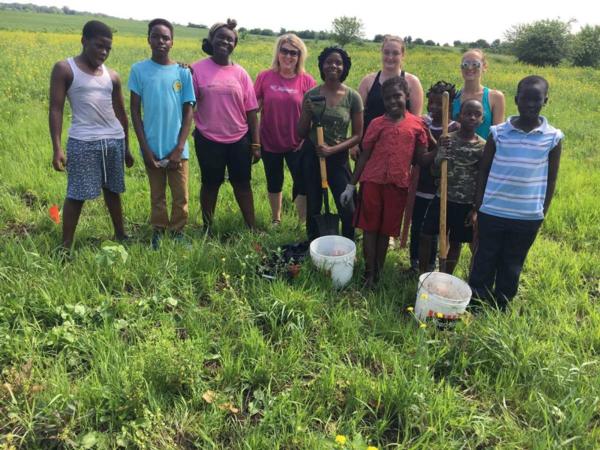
column 463, row 167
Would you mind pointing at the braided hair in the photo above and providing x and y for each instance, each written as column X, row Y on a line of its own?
column 442, row 86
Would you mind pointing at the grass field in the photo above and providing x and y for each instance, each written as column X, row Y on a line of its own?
column 187, row 348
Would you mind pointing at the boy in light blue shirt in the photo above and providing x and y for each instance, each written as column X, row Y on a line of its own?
column 164, row 91
column 516, row 184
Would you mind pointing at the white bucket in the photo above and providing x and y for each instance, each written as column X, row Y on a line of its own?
column 336, row 255
column 441, row 296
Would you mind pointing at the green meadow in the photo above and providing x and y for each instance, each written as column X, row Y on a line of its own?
column 189, row 347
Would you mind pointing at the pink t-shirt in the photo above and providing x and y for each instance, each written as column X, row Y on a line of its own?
column 281, row 106
column 223, row 96
column 393, row 145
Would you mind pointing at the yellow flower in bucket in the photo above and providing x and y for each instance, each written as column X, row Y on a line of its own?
column 424, row 296
column 439, row 315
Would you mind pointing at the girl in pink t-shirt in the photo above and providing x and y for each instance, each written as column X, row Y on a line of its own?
column 226, row 120
column 280, row 91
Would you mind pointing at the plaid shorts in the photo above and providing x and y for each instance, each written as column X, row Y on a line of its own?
column 93, row 166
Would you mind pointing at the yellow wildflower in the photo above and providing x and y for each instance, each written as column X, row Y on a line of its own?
column 340, row 439
column 422, row 325
column 370, row 447
column 439, row 315
column 410, row 309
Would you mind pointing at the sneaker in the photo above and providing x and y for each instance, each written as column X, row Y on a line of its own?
column 123, row 240
column 156, row 238
column 181, row 239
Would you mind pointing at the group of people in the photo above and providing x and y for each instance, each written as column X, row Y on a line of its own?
column 501, row 174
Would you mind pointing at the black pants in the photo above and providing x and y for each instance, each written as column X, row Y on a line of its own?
column 499, row 258
column 338, row 176
column 273, row 164
column 419, row 210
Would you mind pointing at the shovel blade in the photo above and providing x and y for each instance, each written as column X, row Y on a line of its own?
column 327, row 224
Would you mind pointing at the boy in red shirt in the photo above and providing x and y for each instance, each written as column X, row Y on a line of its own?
column 390, row 144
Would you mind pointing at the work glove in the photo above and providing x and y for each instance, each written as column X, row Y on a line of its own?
column 347, row 197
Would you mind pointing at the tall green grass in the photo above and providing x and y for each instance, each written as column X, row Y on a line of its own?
column 189, row 348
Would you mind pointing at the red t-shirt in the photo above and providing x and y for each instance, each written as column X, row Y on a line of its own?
column 281, row 106
column 393, row 146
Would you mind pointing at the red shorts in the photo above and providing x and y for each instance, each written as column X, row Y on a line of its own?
column 380, row 208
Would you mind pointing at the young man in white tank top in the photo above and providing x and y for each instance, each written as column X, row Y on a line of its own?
column 98, row 145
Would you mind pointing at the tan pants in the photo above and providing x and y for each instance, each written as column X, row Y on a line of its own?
column 178, row 183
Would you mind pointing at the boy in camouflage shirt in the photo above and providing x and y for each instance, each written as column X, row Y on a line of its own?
column 463, row 149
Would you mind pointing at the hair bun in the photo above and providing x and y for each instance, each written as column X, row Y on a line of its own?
column 231, row 24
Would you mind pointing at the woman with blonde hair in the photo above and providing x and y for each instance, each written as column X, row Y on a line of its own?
column 473, row 64
column 280, row 91
column 392, row 58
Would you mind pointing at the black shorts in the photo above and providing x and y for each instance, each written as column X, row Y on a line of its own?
column 456, row 220
column 213, row 157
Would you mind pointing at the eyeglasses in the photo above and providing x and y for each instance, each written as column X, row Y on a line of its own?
column 287, row 51
column 470, row 65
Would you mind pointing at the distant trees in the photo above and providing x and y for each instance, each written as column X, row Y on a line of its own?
column 585, row 48
column 196, row 25
column 541, row 43
column 45, row 9
column 261, row 31
column 347, row 29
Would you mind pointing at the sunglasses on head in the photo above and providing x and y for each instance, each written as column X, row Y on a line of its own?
column 286, row 51
column 470, row 65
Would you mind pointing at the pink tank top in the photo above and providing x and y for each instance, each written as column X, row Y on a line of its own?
column 91, row 104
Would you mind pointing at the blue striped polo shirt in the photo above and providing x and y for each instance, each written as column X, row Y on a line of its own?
column 516, row 185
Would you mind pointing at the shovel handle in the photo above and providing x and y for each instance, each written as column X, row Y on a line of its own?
column 444, row 181
column 322, row 165
column 445, row 112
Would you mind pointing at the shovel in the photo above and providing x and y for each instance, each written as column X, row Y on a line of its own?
column 444, row 188
column 327, row 224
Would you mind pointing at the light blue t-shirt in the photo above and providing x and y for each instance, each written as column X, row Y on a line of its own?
column 518, row 178
column 164, row 89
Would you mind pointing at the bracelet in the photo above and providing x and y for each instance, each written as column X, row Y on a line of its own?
column 253, row 146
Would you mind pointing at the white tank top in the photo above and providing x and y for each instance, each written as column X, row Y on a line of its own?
column 91, row 104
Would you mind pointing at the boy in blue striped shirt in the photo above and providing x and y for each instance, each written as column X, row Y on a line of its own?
column 515, row 186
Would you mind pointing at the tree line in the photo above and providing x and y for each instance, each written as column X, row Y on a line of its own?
column 546, row 42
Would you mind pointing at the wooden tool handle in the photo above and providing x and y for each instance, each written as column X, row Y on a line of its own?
column 443, row 209
column 445, row 112
column 444, row 181
column 322, row 164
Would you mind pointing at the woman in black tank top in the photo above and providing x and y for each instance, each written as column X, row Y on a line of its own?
column 392, row 52
column 374, row 101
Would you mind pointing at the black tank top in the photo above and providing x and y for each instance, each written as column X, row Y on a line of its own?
column 374, row 104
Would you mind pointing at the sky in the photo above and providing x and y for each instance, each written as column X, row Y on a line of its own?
column 438, row 21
